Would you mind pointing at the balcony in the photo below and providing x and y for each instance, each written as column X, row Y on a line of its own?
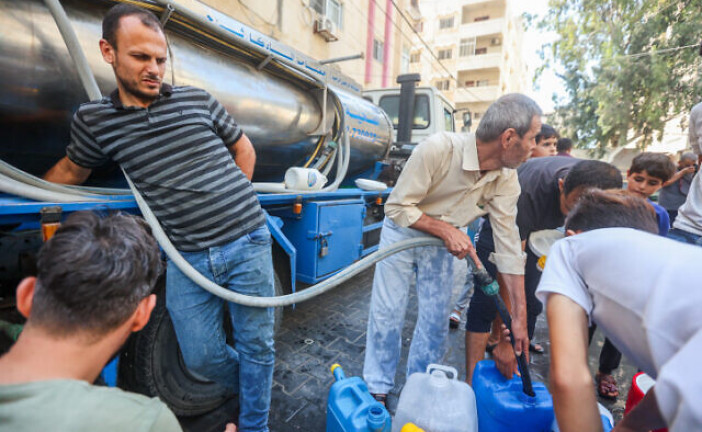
column 482, row 28
column 479, row 61
column 475, row 94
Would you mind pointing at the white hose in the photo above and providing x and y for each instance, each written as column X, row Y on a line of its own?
column 278, row 301
column 86, row 191
column 14, row 187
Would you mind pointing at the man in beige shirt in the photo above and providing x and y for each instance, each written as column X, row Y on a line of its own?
column 450, row 180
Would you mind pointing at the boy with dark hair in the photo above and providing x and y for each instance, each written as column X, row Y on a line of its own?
column 648, row 173
column 564, row 146
column 612, row 275
column 545, row 142
column 93, row 289
column 550, row 187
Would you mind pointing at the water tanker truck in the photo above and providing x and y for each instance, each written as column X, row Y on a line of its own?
column 296, row 111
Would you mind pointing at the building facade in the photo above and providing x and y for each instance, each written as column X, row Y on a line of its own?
column 473, row 52
column 380, row 30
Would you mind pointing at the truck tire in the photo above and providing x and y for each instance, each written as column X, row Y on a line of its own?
column 151, row 364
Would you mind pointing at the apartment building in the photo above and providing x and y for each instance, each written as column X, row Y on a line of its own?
column 477, row 52
column 379, row 30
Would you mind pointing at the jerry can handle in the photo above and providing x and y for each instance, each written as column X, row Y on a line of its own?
column 446, row 369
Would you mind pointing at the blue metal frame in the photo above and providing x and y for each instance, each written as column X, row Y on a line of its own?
column 274, row 225
column 25, row 214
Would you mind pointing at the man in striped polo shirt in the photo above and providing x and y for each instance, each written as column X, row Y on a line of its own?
column 193, row 165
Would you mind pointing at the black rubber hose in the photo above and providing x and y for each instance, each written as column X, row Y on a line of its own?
column 488, row 285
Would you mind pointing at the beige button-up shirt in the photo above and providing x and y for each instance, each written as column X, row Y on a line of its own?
column 442, row 179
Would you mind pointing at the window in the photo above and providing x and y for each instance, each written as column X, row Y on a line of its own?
column 391, row 105
column 479, row 51
column 405, row 60
column 419, row 27
column 332, row 9
column 469, row 84
column 448, row 121
column 415, row 57
column 482, row 83
column 415, row 3
column 445, row 23
column 445, row 54
column 378, row 50
column 482, row 18
column 477, row 115
column 467, row 47
column 443, row 84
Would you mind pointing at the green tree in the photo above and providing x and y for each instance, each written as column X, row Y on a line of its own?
column 628, row 66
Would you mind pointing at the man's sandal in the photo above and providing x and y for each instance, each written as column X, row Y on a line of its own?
column 380, row 397
column 606, row 386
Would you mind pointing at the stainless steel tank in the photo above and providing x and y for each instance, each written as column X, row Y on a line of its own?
column 40, row 91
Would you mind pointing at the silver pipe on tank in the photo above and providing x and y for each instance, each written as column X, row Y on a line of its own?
column 74, row 49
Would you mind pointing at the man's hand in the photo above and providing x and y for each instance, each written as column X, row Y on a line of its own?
column 457, row 242
column 521, row 336
column 506, row 362
column 516, row 304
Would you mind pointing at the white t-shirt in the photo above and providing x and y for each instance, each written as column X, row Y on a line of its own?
column 645, row 293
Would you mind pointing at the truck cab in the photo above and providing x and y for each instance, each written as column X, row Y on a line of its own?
column 432, row 113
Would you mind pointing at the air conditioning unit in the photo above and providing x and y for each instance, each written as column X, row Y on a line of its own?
column 326, row 28
column 495, row 41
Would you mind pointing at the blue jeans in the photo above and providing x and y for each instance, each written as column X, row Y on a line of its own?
column 432, row 268
column 685, row 237
column 243, row 266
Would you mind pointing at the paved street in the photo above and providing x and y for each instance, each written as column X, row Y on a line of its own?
column 331, row 329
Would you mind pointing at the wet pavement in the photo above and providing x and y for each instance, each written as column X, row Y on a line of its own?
column 332, row 329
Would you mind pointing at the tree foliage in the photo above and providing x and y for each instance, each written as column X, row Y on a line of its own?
column 624, row 66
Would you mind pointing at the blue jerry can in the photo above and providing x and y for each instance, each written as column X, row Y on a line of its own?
column 503, row 406
column 351, row 408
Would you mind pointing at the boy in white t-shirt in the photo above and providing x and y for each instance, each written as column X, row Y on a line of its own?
column 639, row 288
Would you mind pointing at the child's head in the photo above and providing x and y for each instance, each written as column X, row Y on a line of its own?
column 648, row 172
column 564, row 145
column 611, row 208
column 545, row 142
column 584, row 175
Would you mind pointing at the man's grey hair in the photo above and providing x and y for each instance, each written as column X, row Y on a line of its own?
column 688, row 156
column 512, row 110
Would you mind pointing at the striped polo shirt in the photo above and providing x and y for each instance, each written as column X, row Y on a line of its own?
column 175, row 151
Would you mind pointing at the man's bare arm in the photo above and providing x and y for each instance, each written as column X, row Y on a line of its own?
column 456, row 241
column 571, row 382
column 244, row 155
column 67, row 172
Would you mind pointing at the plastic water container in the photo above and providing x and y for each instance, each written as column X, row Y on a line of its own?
column 605, row 416
column 436, row 401
column 640, row 385
column 297, row 178
column 351, row 408
column 503, row 406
